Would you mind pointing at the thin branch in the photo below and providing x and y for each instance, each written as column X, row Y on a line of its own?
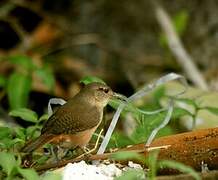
column 177, row 48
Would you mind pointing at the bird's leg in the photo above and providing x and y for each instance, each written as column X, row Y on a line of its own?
column 54, row 153
column 57, row 152
column 87, row 151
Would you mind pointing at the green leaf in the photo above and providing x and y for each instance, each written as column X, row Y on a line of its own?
column 127, row 155
column 152, row 164
column 28, row 174
column 17, row 140
column 47, row 76
column 2, row 81
column 18, row 89
column 119, row 140
column 140, row 134
column 212, row 110
column 187, row 101
column 25, row 114
column 180, row 167
column 146, row 126
column 179, row 112
column 52, row 176
column 42, row 160
column 5, row 132
column 44, row 117
column 159, row 93
column 6, row 143
column 7, row 162
column 32, row 131
column 23, row 61
column 20, row 133
column 131, row 175
column 180, row 21
column 90, row 79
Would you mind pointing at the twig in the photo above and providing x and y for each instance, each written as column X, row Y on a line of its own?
column 177, row 48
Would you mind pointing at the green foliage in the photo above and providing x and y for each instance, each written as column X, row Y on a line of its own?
column 90, row 79
column 118, row 139
column 8, row 162
column 11, row 139
column 131, row 175
column 158, row 94
column 5, row 132
column 18, row 88
column 212, row 110
column 18, row 85
column 52, row 176
column 145, row 126
column 128, row 155
column 180, row 112
column 180, row 167
column 16, row 137
column 22, row 61
column 180, row 22
column 25, row 114
column 29, row 116
column 28, row 174
column 46, row 75
column 151, row 162
column 11, row 166
column 2, row 81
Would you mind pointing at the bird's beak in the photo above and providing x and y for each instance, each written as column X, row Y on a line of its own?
column 119, row 97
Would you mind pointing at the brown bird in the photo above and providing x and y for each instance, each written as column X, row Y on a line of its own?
column 73, row 124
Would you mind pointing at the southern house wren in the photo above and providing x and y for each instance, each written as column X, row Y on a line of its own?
column 73, row 124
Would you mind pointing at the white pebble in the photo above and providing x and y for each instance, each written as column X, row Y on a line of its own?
column 83, row 171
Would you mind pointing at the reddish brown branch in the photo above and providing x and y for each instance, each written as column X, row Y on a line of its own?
column 191, row 148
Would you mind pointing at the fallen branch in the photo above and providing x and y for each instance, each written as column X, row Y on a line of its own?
column 191, row 148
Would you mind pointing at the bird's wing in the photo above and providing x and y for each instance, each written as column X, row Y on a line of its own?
column 69, row 120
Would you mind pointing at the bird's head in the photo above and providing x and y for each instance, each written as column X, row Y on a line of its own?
column 99, row 93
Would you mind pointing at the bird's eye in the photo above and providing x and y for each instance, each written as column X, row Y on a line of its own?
column 106, row 90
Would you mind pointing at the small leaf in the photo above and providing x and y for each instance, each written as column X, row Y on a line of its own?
column 90, row 79
column 5, row 132
column 6, row 143
column 180, row 21
column 180, row 167
column 32, row 131
column 152, row 164
column 187, row 101
column 179, row 112
column 212, row 110
column 44, row 117
column 159, row 93
column 2, row 81
column 24, row 61
column 132, row 174
column 25, row 114
column 20, row 133
column 119, row 140
column 7, row 162
column 28, row 174
column 51, row 176
column 47, row 76
column 18, row 89
column 17, row 140
column 127, row 155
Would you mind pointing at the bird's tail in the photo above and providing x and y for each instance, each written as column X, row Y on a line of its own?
column 35, row 144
